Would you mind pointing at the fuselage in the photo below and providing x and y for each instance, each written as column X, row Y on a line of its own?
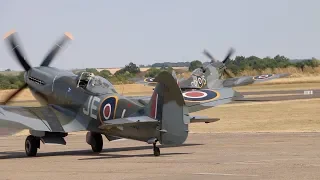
column 63, row 90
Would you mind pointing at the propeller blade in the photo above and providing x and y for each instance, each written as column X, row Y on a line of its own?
column 205, row 52
column 12, row 41
column 15, row 93
column 48, row 59
column 231, row 51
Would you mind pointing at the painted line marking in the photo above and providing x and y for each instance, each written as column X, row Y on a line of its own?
column 308, row 92
column 226, row 174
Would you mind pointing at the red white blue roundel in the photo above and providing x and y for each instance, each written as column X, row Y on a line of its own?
column 265, row 76
column 107, row 109
column 200, row 95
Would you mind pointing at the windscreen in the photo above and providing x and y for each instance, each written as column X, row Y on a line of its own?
column 100, row 85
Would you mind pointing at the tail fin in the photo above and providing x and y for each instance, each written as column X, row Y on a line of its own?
column 168, row 107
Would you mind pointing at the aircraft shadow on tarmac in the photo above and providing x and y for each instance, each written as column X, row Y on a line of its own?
column 21, row 154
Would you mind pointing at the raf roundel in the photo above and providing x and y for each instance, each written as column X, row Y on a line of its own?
column 265, row 76
column 200, row 95
column 107, row 111
column 107, row 108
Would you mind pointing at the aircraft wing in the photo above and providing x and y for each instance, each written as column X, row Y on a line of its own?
column 45, row 118
column 127, row 121
column 200, row 99
column 246, row 80
column 118, row 123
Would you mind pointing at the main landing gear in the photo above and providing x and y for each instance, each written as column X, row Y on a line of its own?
column 95, row 140
column 156, row 150
column 32, row 144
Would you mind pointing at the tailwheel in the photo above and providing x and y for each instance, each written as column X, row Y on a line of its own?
column 32, row 144
column 156, row 150
column 97, row 142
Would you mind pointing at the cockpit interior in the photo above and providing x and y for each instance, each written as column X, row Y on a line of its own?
column 94, row 84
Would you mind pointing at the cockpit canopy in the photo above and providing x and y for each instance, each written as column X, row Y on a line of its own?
column 100, row 85
column 95, row 84
column 197, row 72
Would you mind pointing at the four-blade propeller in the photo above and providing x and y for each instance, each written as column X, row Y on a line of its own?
column 12, row 40
column 221, row 65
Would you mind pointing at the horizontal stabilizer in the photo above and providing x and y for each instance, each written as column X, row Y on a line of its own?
column 126, row 121
column 200, row 119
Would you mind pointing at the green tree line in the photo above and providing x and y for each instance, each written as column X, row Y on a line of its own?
column 241, row 63
column 131, row 71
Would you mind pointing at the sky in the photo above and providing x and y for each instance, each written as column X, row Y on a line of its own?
column 113, row 33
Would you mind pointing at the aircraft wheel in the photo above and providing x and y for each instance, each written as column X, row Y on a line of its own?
column 32, row 144
column 97, row 142
column 156, row 150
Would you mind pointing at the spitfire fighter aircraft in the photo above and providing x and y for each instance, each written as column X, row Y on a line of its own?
column 90, row 103
column 210, row 76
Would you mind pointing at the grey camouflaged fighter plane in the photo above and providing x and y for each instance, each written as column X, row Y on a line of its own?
column 85, row 102
column 209, row 77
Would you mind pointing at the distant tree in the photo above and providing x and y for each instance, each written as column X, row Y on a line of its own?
column 152, row 72
column 92, row 70
column 4, row 82
column 194, row 65
column 169, row 69
column 282, row 62
column 300, row 65
column 105, row 73
column 130, row 68
column 7, row 70
column 171, row 64
column 314, row 63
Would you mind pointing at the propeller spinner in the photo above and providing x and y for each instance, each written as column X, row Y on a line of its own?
column 12, row 41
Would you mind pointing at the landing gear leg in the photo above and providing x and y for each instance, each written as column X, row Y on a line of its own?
column 156, row 150
column 32, row 144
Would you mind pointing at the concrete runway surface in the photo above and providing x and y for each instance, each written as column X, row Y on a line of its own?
column 204, row 156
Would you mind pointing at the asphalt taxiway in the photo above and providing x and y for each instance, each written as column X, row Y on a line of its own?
column 203, row 156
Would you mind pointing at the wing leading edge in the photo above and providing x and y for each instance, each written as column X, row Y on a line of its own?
column 246, row 80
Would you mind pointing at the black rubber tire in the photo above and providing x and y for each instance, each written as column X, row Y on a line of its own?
column 97, row 142
column 156, row 151
column 31, row 145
